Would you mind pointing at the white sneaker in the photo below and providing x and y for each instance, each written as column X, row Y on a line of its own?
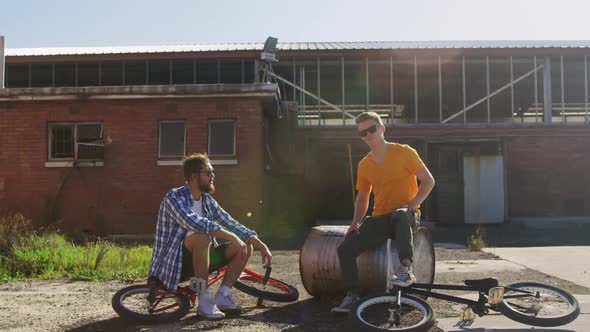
column 207, row 307
column 225, row 302
column 347, row 304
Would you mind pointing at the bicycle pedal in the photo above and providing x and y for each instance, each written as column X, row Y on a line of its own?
column 495, row 295
column 467, row 314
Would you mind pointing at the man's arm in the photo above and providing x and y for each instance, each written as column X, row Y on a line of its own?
column 264, row 251
column 229, row 223
column 426, row 185
column 240, row 233
column 361, row 205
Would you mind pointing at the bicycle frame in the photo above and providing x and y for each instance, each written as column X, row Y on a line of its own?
column 480, row 307
column 161, row 293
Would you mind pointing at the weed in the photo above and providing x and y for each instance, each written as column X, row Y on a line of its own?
column 476, row 240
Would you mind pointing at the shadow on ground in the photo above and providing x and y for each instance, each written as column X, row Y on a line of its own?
column 306, row 315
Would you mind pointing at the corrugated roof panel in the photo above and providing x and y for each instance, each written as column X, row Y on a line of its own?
column 288, row 46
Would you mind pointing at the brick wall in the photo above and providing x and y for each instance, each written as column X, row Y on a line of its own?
column 123, row 196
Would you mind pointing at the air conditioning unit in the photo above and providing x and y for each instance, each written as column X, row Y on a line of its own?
column 90, row 149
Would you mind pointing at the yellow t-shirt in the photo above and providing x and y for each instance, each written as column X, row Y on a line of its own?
column 393, row 182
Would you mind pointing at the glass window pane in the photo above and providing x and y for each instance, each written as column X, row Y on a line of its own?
column 159, row 72
column 172, row 139
column 89, row 147
column 112, row 73
column 65, row 74
column 183, row 72
column 17, row 76
column 135, row 73
column 222, row 138
column 62, row 141
column 88, row 74
column 41, row 75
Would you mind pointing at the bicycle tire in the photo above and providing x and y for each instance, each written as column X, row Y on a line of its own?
column 562, row 306
column 129, row 302
column 275, row 290
column 418, row 315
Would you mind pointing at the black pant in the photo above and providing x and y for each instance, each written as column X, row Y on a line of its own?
column 373, row 232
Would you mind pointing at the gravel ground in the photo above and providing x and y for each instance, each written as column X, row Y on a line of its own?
column 65, row 305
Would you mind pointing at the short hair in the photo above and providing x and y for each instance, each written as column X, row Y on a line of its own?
column 194, row 163
column 368, row 116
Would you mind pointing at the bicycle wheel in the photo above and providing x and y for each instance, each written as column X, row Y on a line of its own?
column 379, row 313
column 131, row 304
column 539, row 305
column 274, row 290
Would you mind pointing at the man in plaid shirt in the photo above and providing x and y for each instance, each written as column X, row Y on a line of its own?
column 189, row 222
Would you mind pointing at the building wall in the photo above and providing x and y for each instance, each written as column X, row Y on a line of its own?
column 124, row 195
column 546, row 167
column 547, row 176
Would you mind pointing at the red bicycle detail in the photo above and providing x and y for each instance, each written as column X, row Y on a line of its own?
column 142, row 303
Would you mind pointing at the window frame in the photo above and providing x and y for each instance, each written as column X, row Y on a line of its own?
column 74, row 125
column 160, row 122
column 235, row 152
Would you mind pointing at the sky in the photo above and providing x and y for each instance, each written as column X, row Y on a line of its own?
column 62, row 23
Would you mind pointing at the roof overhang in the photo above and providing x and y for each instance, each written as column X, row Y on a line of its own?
column 263, row 90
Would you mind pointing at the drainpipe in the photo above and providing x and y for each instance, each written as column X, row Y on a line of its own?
column 1, row 62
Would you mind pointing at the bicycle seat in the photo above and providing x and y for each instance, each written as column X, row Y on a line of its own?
column 482, row 284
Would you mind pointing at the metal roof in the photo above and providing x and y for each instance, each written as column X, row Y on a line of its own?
column 303, row 46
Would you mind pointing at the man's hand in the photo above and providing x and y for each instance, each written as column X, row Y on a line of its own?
column 353, row 228
column 241, row 244
column 266, row 257
column 264, row 251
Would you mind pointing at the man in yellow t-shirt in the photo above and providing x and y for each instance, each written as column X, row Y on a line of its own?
column 390, row 171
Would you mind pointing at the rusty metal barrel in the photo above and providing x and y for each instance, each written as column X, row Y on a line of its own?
column 319, row 265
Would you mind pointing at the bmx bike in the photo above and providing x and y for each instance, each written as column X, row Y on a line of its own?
column 153, row 303
column 406, row 309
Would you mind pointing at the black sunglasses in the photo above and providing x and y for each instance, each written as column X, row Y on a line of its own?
column 209, row 173
column 372, row 129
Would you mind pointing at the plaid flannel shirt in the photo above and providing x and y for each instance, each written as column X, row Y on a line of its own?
column 175, row 219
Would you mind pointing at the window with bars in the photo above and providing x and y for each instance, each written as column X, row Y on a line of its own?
column 76, row 141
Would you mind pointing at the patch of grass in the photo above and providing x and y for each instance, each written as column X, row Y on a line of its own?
column 476, row 241
column 52, row 255
column 14, row 227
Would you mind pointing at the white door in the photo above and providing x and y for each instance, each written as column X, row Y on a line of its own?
column 483, row 189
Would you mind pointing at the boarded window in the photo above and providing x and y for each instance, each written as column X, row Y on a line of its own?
column 171, row 140
column 222, row 138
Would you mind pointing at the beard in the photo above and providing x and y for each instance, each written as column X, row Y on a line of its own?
column 207, row 187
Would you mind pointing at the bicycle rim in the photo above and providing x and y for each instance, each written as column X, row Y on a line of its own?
column 377, row 314
column 274, row 290
column 131, row 304
column 543, row 305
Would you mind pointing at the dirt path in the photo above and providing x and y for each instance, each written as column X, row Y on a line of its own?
column 64, row 305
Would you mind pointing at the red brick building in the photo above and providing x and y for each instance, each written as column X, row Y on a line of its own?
column 117, row 188
column 503, row 126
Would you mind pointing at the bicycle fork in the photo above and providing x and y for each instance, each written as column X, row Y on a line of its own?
column 395, row 309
